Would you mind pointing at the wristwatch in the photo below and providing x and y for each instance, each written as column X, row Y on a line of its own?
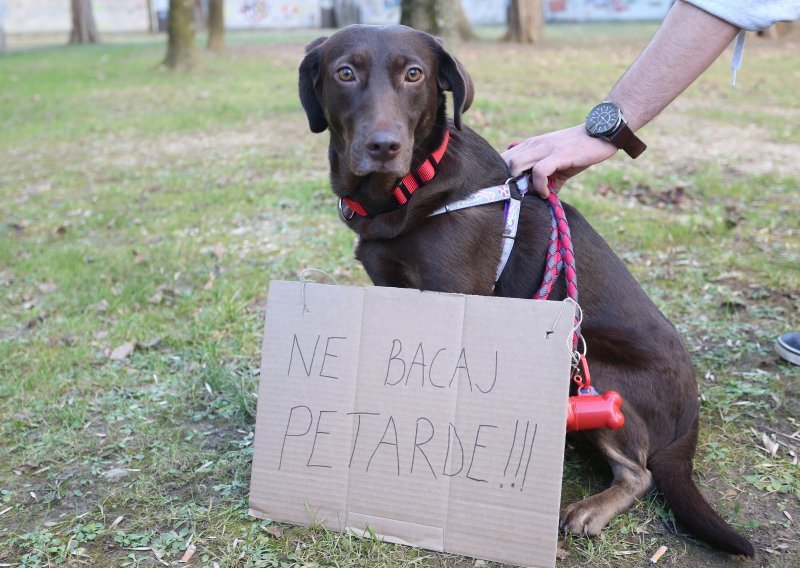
column 606, row 121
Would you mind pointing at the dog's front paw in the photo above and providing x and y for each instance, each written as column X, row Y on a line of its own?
column 589, row 516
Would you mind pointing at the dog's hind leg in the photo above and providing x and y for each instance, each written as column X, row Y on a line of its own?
column 632, row 480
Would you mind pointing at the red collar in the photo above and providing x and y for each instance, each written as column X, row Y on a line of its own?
column 404, row 189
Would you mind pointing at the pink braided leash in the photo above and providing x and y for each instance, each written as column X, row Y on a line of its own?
column 560, row 255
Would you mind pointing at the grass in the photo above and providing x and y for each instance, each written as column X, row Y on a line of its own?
column 144, row 208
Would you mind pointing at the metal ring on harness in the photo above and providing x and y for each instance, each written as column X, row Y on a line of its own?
column 342, row 214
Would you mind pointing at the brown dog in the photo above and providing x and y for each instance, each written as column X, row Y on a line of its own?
column 380, row 92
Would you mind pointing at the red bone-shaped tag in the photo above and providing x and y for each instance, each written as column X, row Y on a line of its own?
column 589, row 410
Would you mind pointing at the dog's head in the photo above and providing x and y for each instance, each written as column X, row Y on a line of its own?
column 378, row 89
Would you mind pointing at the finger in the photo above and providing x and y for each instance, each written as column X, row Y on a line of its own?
column 539, row 174
column 523, row 157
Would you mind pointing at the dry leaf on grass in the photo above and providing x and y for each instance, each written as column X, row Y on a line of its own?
column 561, row 554
column 47, row 288
column 770, row 444
column 159, row 557
column 218, row 251
column 273, row 530
column 117, row 521
column 149, row 344
column 121, row 352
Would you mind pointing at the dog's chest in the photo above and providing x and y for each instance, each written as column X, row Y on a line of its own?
column 458, row 252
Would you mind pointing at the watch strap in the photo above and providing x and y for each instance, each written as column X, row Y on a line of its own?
column 626, row 140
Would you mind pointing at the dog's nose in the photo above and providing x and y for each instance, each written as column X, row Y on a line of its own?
column 383, row 146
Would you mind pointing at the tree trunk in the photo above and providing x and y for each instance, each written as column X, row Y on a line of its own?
column 446, row 18
column 216, row 25
column 465, row 30
column 419, row 14
column 525, row 21
column 180, row 48
column 84, row 30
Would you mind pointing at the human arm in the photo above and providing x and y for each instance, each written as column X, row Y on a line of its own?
column 685, row 45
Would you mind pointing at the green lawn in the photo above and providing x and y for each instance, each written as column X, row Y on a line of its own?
column 149, row 211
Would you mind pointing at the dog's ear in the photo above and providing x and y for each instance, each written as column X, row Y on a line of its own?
column 453, row 77
column 309, row 75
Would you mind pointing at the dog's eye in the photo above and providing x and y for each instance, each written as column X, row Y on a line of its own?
column 414, row 74
column 345, row 74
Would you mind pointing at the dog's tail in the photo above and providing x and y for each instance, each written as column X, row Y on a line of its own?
column 672, row 470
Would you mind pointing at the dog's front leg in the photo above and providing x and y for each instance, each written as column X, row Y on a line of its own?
column 632, row 480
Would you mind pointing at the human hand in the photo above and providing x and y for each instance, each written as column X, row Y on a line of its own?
column 559, row 155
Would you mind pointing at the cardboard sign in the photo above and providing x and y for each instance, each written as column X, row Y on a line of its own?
column 433, row 420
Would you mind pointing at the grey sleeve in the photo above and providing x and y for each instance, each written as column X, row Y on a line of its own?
column 751, row 15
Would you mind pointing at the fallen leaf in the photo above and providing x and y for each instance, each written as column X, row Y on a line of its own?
column 25, row 468
column 136, row 548
column 117, row 521
column 732, row 306
column 273, row 530
column 122, row 352
column 218, row 251
column 60, row 230
column 33, row 323
column 211, row 279
column 156, row 298
column 115, row 474
column 788, row 516
column 47, row 287
column 771, row 445
column 561, row 554
column 149, row 344
column 159, row 557
column 101, row 307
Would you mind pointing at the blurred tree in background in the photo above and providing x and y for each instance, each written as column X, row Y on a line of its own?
column 525, row 21
column 444, row 18
column 84, row 30
column 181, row 31
column 216, row 25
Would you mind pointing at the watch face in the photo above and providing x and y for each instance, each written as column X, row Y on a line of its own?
column 602, row 119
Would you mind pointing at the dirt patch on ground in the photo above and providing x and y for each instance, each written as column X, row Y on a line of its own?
column 681, row 141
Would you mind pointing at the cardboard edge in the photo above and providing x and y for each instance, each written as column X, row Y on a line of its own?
column 428, row 537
